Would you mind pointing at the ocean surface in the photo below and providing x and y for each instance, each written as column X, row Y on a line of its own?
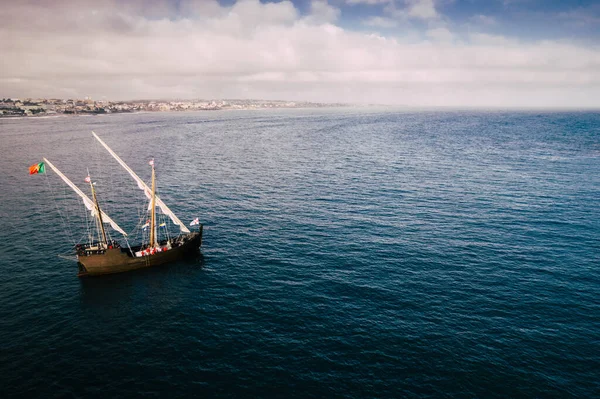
column 348, row 253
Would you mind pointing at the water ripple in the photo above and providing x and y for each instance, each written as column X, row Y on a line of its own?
column 347, row 253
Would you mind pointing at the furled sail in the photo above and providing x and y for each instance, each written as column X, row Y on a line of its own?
column 144, row 187
column 89, row 204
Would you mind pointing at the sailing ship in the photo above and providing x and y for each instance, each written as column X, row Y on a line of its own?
column 107, row 256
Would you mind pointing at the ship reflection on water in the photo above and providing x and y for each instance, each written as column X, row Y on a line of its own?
column 114, row 289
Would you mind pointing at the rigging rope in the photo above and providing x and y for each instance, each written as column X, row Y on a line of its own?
column 66, row 230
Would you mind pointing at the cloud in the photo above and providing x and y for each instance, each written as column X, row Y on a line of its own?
column 322, row 12
column 380, row 22
column 582, row 16
column 440, row 34
column 272, row 51
column 422, row 9
column 481, row 19
column 371, row 2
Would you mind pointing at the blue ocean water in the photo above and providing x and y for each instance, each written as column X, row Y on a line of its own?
column 347, row 253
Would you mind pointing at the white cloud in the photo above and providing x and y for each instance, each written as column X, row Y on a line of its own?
column 440, row 34
column 202, row 8
column 380, row 22
column 483, row 19
column 322, row 12
column 422, row 9
column 371, row 2
column 74, row 49
column 485, row 39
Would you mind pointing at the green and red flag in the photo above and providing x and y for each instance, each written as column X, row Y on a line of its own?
column 37, row 168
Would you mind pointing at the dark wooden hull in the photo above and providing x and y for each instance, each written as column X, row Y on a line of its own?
column 118, row 260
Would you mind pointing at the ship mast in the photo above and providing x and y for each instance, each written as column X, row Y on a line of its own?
column 89, row 204
column 144, row 187
column 98, row 213
column 153, row 235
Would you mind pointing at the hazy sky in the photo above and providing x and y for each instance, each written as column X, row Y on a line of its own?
column 409, row 52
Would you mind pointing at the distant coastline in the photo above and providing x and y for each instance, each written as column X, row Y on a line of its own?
column 15, row 107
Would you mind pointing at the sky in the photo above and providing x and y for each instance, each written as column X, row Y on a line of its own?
column 488, row 53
